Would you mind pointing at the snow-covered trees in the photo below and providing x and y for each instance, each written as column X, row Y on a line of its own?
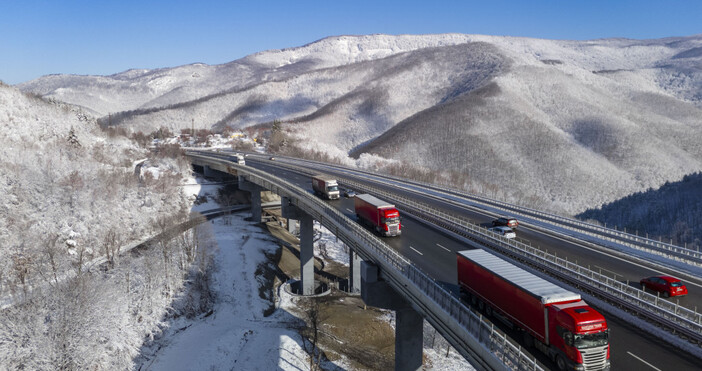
column 99, row 318
column 69, row 197
column 672, row 213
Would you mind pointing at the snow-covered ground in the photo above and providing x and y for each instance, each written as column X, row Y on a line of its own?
column 236, row 334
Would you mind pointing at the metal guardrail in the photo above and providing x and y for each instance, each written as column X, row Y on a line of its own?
column 683, row 254
column 477, row 341
column 665, row 314
column 662, row 312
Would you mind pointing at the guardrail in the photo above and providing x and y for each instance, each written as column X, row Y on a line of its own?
column 682, row 254
column 477, row 341
column 664, row 313
column 679, row 320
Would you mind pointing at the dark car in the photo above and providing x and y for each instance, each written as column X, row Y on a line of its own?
column 348, row 193
column 272, row 158
column 505, row 222
column 666, row 285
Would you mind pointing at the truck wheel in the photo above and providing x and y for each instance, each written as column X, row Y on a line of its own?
column 488, row 311
column 560, row 362
column 528, row 340
column 666, row 294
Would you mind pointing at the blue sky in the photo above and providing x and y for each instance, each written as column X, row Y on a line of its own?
column 104, row 37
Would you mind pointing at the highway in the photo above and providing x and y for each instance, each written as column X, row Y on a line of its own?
column 434, row 252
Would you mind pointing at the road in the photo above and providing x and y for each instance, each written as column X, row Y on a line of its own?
column 434, row 252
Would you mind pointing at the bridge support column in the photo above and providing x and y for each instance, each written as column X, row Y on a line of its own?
column 409, row 339
column 408, row 322
column 290, row 211
column 354, row 272
column 307, row 254
column 208, row 172
column 255, row 191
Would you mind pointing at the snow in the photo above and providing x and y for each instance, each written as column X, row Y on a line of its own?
column 625, row 112
column 237, row 335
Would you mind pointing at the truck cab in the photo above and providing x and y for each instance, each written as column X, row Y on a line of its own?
column 390, row 222
column 325, row 186
column 581, row 336
column 239, row 159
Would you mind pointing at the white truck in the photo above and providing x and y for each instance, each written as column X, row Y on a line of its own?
column 325, row 186
column 239, row 159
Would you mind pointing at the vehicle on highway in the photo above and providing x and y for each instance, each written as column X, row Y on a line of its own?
column 325, row 186
column 239, row 159
column 272, row 158
column 379, row 215
column 503, row 231
column 348, row 193
column 506, row 222
column 552, row 319
column 666, row 285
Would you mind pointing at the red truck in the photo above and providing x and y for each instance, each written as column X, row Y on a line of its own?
column 556, row 321
column 381, row 216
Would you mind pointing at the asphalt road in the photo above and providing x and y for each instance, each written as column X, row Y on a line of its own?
column 434, row 252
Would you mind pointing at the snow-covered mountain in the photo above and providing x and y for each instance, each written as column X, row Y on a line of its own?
column 560, row 125
column 65, row 185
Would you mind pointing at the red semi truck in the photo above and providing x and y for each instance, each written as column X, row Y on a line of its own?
column 557, row 321
column 382, row 216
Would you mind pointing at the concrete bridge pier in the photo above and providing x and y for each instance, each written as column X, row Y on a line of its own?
column 290, row 211
column 208, row 172
column 354, row 272
column 255, row 191
column 409, row 337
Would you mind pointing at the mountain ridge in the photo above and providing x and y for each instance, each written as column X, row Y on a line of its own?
column 617, row 115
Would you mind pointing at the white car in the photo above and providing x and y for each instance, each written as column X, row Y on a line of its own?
column 505, row 232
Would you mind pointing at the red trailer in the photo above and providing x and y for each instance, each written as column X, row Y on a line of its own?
column 382, row 216
column 557, row 321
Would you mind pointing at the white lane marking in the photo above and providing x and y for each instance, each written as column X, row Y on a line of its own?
column 349, row 210
column 443, row 247
column 646, row 363
column 415, row 250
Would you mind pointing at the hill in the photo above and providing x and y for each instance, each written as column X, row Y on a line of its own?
column 672, row 212
column 558, row 125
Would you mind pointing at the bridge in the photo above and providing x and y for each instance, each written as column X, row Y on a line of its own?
column 390, row 280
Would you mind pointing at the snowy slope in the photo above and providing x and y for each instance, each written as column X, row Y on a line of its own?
column 527, row 120
column 65, row 185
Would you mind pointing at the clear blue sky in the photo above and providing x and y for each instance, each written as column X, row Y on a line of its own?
column 99, row 37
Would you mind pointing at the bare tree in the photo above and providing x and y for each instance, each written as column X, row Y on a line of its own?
column 111, row 244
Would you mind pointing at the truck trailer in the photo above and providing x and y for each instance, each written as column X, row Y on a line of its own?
column 379, row 215
column 556, row 321
column 325, row 186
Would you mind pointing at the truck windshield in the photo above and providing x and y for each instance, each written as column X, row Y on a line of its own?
column 393, row 220
column 591, row 340
column 333, row 188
